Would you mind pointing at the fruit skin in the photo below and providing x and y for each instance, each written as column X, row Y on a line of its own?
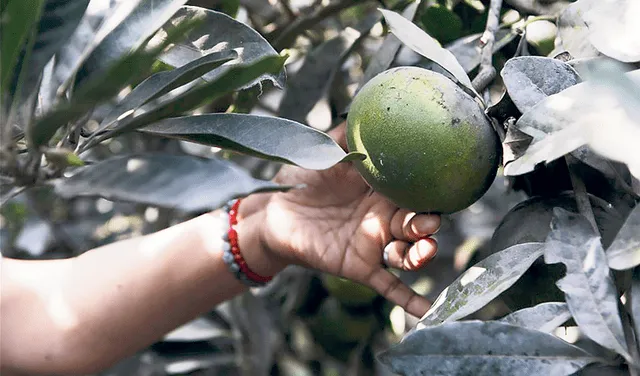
column 530, row 221
column 542, row 35
column 441, row 23
column 428, row 144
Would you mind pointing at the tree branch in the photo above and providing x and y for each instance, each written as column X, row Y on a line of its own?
column 487, row 71
column 301, row 24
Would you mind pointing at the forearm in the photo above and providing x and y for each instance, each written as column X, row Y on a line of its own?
column 85, row 313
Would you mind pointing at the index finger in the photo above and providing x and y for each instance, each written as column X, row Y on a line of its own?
column 393, row 289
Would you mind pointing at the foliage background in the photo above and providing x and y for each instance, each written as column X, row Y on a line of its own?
column 296, row 326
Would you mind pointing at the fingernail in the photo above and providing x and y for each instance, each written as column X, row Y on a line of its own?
column 427, row 224
column 424, row 249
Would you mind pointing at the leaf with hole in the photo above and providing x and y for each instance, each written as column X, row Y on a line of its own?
column 545, row 317
column 265, row 137
column 624, row 252
column 482, row 283
column 588, row 287
column 419, row 41
column 220, row 32
column 530, row 79
column 179, row 182
column 482, row 348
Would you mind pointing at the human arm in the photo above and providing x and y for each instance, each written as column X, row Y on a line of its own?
column 83, row 314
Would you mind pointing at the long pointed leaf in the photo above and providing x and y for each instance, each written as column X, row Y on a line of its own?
column 482, row 283
column 163, row 82
column 544, row 317
column 231, row 80
column 98, row 89
column 147, row 17
column 484, row 349
column 19, row 19
column 588, row 286
column 624, row 252
column 261, row 136
column 184, row 183
column 219, row 31
column 419, row 41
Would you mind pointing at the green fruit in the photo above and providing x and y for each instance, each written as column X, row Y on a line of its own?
column 441, row 23
column 338, row 331
column 428, row 144
column 349, row 293
column 530, row 221
column 542, row 35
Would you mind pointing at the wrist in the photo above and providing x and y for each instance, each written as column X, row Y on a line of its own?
column 258, row 256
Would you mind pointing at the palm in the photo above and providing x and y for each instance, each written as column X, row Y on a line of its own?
column 336, row 224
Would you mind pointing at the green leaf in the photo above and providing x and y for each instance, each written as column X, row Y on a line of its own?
column 219, row 31
column 130, row 34
column 63, row 157
column 624, row 252
column 59, row 20
column 265, row 137
column 419, row 41
column 231, row 80
column 163, row 82
column 484, row 348
column 18, row 20
column 482, row 283
column 100, row 88
column 179, row 182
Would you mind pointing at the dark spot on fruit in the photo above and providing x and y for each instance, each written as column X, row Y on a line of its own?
column 388, row 108
column 455, row 121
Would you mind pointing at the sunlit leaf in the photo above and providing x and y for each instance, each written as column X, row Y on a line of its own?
column 220, row 32
column 619, row 39
column 185, row 183
column 482, row 283
column 419, row 41
column 163, row 82
column 98, row 88
column 600, row 114
column 588, row 286
column 261, row 136
column 624, row 252
column 231, row 80
column 545, row 317
column 484, row 349
column 573, row 31
column 129, row 34
column 530, row 79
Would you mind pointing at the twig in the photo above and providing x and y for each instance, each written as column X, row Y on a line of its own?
column 297, row 27
column 287, row 9
column 12, row 193
column 487, row 71
column 582, row 199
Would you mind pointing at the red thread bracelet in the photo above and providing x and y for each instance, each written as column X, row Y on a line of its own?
column 235, row 248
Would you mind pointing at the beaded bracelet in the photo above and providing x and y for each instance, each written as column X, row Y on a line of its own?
column 232, row 256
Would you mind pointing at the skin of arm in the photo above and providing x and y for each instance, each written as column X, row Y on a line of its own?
column 83, row 314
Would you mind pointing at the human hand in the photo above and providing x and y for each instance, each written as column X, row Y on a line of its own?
column 336, row 224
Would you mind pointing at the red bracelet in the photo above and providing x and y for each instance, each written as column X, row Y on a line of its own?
column 232, row 256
